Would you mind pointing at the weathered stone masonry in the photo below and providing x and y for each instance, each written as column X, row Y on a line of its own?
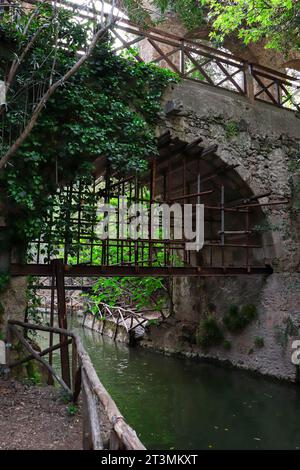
column 265, row 142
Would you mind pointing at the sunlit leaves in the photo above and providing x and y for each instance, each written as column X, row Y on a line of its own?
column 277, row 21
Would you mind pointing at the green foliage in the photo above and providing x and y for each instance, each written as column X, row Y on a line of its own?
column 34, row 376
column 275, row 20
column 259, row 342
column 231, row 129
column 209, row 333
column 280, row 336
column 291, row 328
column 227, row 344
column 4, row 280
column 64, row 396
column 238, row 318
column 1, row 334
column 190, row 11
column 33, row 303
column 152, row 322
column 267, row 226
column 138, row 292
column 249, row 312
column 72, row 409
column 109, row 108
column 294, row 164
column 285, row 331
column 211, row 307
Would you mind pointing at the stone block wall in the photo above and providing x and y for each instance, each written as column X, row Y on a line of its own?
column 107, row 328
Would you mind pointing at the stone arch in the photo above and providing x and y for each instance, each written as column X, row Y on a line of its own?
column 191, row 173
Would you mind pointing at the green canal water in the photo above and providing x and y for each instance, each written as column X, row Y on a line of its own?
column 175, row 403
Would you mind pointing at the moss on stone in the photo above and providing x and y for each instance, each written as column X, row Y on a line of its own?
column 232, row 129
column 259, row 342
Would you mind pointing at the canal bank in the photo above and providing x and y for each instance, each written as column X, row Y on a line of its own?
column 179, row 403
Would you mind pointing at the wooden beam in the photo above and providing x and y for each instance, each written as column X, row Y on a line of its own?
column 41, row 354
column 92, row 439
column 129, row 271
column 207, row 152
column 62, row 319
column 40, row 359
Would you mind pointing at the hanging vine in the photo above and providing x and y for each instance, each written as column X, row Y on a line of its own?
column 108, row 108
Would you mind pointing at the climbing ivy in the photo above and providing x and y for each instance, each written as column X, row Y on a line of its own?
column 109, row 108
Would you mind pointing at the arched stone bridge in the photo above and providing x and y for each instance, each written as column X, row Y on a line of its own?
column 231, row 136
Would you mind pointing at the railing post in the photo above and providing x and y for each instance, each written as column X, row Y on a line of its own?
column 87, row 443
column 92, row 439
column 62, row 320
column 74, row 363
column 50, row 378
column 8, row 346
column 182, row 58
column 249, row 82
column 277, row 91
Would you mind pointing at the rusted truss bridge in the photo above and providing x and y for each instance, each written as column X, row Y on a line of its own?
column 193, row 60
column 183, row 173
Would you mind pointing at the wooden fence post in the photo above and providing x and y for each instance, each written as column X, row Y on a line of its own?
column 92, row 439
column 8, row 346
column 62, row 320
column 249, row 82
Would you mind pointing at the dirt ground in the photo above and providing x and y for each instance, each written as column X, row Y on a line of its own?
column 36, row 418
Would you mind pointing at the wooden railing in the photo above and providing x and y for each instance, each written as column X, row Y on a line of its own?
column 193, row 60
column 125, row 316
column 104, row 427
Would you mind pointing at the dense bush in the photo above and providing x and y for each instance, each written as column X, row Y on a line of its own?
column 226, row 344
column 110, row 108
column 259, row 342
column 238, row 318
column 209, row 333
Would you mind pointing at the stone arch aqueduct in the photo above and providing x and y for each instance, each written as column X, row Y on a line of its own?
column 252, row 143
